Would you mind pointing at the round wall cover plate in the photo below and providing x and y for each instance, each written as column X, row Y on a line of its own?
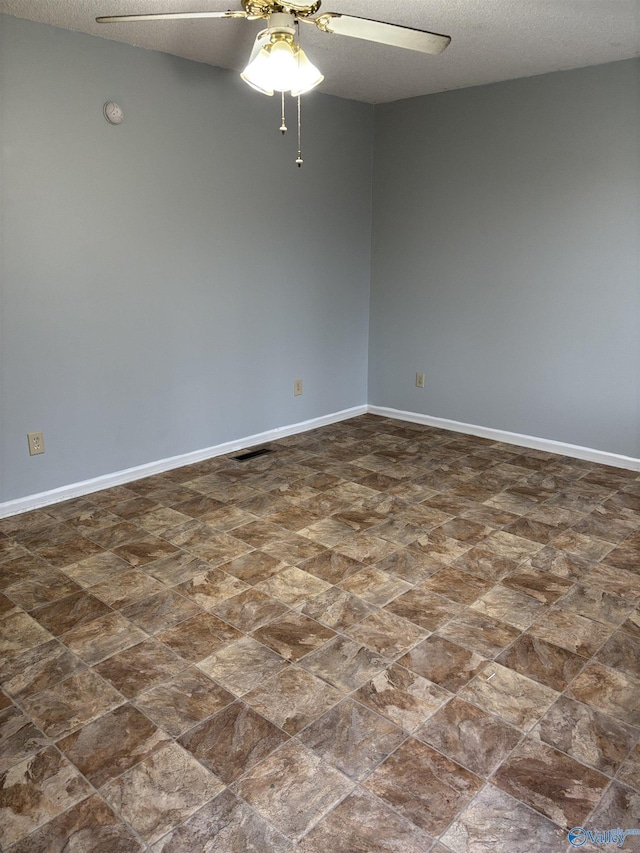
column 113, row 113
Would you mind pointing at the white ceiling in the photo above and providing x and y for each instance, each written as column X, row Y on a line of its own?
column 491, row 39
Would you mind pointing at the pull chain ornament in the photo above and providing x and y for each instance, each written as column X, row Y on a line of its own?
column 299, row 160
column 283, row 126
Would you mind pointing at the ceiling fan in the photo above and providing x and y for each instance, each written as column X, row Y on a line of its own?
column 277, row 62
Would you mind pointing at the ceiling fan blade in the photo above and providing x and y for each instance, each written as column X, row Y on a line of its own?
column 393, row 34
column 169, row 16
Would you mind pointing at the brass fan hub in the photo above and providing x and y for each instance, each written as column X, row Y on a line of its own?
column 257, row 9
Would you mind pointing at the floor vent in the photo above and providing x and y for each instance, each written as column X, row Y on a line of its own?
column 251, row 454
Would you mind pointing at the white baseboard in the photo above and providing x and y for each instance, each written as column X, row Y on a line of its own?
column 129, row 475
column 602, row 457
column 120, row 478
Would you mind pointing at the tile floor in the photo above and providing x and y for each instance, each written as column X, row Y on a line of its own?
column 380, row 637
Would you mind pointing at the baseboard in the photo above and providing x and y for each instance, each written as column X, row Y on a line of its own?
column 129, row 475
column 121, row 478
column 602, row 457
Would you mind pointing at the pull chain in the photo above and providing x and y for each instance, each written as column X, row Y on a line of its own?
column 299, row 160
column 283, row 126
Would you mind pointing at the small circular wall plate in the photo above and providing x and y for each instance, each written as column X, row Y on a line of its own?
column 113, row 113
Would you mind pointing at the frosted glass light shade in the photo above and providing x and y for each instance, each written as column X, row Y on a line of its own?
column 307, row 77
column 256, row 74
column 280, row 66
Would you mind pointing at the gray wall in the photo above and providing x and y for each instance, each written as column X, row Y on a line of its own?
column 165, row 281
column 505, row 256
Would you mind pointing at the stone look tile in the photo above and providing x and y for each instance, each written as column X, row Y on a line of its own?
column 131, row 586
column 212, row 588
column 233, row 741
column 293, row 586
column 89, row 826
column 629, row 773
column 177, row 568
column 617, row 581
column 293, row 788
column 19, row 632
column 161, row 792
column 46, row 587
column 38, row 668
column 94, row 641
column 332, row 567
column 112, row 744
column 596, row 604
column 423, row 786
column 180, row 703
column 632, row 624
column 293, row 549
column 69, row 552
column 424, row 607
column 139, row 667
column 72, row 703
column 508, row 605
column 344, row 663
column 224, row 825
column 481, row 634
column 575, row 633
column 408, row 565
column 144, row 550
column 352, row 738
column 364, row 824
column 101, row 569
column 620, row 807
column 517, row 699
column 70, row 612
column 496, row 823
column 545, row 588
column 242, row 665
column 250, row 610
column 443, row 662
column 542, row 661
column 36, row 790
column 338, row 608
column 473, row 738
column 609, row 691
column 293, row 635
column 388, row 634
column 374, row 586
column 550, row 782
column 254, row 567
column 373, row 506
column 293, row 699
column 19, row 738
column 160, row 611
column 485, row 564
column 456, row 585
column 198, row 637
column 622, row 652
column 405, row 698
column 586, row 735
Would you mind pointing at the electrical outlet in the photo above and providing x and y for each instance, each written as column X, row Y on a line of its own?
column 36, row 443
column 419, row 380
column 297, row 387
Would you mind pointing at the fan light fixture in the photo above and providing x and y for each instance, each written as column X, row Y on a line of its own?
column 277, row 63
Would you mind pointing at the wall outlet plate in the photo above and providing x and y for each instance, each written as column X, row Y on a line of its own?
column 297, row 387
column 36, row 443
column 419, row 380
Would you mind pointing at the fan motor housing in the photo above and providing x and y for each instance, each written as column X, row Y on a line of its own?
column 256, row 9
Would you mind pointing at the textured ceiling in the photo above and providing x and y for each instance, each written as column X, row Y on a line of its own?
column 491, row 39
